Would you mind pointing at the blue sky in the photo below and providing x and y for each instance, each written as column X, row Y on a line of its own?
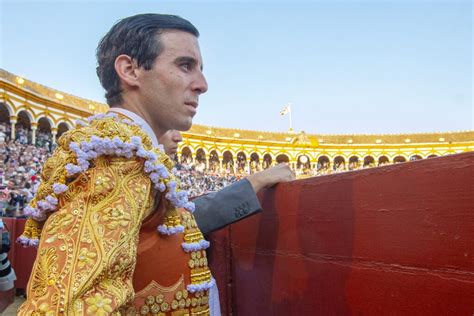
column 346, row 66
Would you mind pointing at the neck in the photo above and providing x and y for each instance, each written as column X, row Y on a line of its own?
column 133, row 105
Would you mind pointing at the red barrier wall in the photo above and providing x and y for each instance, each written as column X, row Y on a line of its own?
column 395, row 240
column 21, row 259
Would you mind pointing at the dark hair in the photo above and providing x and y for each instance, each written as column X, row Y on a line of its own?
column 138, row 37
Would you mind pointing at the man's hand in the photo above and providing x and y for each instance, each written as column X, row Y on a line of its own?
column 271, row 176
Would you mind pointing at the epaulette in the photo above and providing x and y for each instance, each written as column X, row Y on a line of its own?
column 102, row 135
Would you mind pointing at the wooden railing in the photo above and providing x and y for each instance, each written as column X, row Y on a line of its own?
column 394, row 240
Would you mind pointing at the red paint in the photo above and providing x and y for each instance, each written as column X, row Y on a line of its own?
column 395, row 240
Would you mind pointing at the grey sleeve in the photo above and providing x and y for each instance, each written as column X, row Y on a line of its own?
column 229, row 205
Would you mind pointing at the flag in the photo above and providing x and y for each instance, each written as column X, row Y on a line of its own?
column 286, row 110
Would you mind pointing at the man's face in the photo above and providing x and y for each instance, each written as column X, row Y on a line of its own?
column 170, row 89
column 170, row 141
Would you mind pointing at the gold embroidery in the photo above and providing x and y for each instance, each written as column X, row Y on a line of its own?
column 98, row 305
column 79, row 276
column 116, row 216
column 85, row 262
column 59, row 220
column 46, row 272
column 86, row 257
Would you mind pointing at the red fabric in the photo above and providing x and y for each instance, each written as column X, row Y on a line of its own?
column 157, row 253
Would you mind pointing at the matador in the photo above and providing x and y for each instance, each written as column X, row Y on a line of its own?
column 115, row 233
column 108, row 179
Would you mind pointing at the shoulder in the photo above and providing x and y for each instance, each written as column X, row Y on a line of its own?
column 100, row 135
column 105, row 127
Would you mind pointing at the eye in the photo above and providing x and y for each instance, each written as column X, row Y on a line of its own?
column 186, row 66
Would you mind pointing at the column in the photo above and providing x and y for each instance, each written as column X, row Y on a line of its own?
column 13, row 120
column 54, row 132
column 34, row 127
column 293, row 165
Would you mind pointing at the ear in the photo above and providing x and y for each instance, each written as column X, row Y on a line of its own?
column 127, row 70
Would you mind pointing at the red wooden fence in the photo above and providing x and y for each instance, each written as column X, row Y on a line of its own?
column 395, row 240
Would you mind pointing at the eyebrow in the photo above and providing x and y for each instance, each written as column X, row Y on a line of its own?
column 187, row 59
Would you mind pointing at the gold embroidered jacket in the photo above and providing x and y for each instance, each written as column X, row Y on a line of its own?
column 87, row 250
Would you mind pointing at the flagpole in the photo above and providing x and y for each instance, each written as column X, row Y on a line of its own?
column 291, row 122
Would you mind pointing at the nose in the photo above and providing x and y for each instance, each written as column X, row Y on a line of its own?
column 200, row 83
column 177, row 138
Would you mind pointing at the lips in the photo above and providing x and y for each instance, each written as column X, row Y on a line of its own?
column 192, row 106
column 192, row 103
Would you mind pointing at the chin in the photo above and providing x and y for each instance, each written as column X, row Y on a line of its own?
column 185, row 125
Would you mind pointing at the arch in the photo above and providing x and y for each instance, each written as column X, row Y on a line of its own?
column 44, row 116
column 241, row 162
column 323, row 163
column 415, row 157
column 9, row 105
column 23, row 127
column 5, row 112
column 383, row 160
column 65, row 122
column 216, row 150
column 228, row 161
column 186, row 155
column 25, row 111
column 200, row 161
column 339, row 163
column 200, row 155
column 201, row 149
column 354, row 163
column 272, row 155
column 267, row 161
column 254, row 157
column 43, row 133
column 399, row 159
column 282, row 158
column 193, row 148
column 254, row 162
column 214, row 161
column 303, row 162
column 369, row 161
column 62, row 128
column 5, row 127
column 45, row 124
column 24, row 118
column 228, row 149
column 432, row 156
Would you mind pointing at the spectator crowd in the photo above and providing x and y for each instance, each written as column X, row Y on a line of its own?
column 20, row 165
column 198, row 180
column 21, row 162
